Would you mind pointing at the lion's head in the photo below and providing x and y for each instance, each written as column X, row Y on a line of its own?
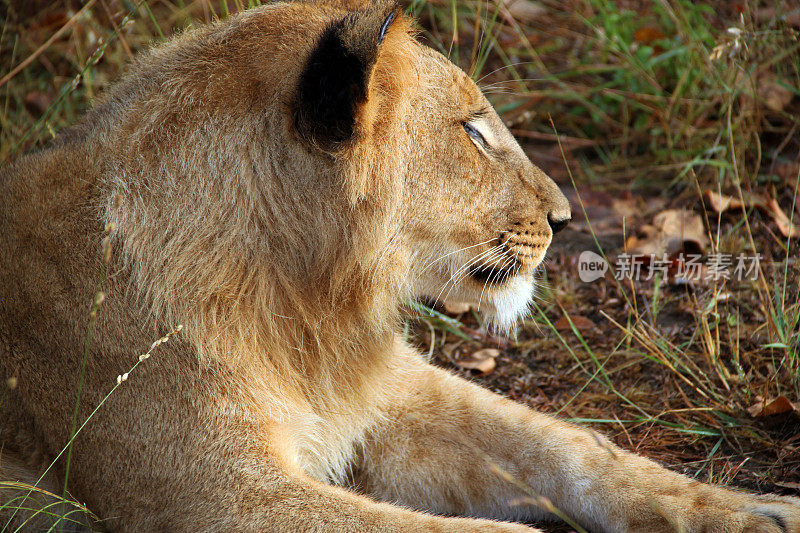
column 474, row 214
column 302, row 168
column 479, row 213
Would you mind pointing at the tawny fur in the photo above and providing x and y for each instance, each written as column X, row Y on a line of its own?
column 289, row 401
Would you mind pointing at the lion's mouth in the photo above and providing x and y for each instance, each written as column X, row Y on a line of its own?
column 491, row 275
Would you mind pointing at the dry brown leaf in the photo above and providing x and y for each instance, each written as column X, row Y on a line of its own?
column 524, row 11
column 787, row 172
column 768, row 16
column 450, row 349
column 51, row 21
column 785, row 225
column 606, row 214
column 776, row 96
column 456, row 308
column 767, row 89
column 582, row 323
column 38, row 101
column 648, row 34
column 670, row 232
column 481, row 360
column 721, row 203
column 777, row 406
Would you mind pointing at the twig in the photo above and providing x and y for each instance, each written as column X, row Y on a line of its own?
column 28, row 60
column 576, row 141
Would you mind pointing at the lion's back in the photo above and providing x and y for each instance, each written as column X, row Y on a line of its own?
column 46, row 238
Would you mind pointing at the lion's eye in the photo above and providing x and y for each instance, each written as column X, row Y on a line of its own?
column 473, row 132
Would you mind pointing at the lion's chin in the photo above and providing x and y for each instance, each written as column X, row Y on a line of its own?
column 502, row 305
column 506, row 304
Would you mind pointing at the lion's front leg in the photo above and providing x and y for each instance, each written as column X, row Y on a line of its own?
column 453, row 447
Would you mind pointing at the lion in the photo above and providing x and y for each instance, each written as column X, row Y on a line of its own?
column 277, row 184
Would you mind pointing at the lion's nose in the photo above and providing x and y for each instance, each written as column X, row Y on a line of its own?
column 557, row 224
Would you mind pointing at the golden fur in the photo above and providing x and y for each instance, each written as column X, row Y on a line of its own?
column 283, row 234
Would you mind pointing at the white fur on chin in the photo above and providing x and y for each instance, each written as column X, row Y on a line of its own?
column 505, row 305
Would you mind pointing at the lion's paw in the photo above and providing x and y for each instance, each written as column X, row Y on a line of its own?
column 779, row 512
column 741, row 513
column 471, row 525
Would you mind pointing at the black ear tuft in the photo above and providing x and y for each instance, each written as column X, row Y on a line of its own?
column 335, row 80
column 385, row 26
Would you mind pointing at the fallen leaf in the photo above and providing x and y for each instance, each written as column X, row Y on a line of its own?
column 777, row 406
column 450, row 349
column 48, row 21
column 582, row 323
column 524, row 11
column 721, row 203
column 785, row 225
column 776, row 97
column 767, row 89
column 456, row 308
column 481, row 360
column 37, row 101
column 768, row 16
column 672, row 230
column 606, row 214
column 787, row 171
column 483, row 336
column 648, row 34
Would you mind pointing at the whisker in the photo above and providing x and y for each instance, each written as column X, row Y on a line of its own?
column 426, row 267
column 498, row 272
column 517, row 64
column 456, row 273
column 485, row 284
column 454, row 277
column 497, row 253
column 540, row 283
column 511, row 81
column 462, row 271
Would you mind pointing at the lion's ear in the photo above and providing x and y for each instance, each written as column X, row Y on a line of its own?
column 335, row 81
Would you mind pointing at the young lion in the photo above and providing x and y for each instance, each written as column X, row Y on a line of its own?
column 278, row 183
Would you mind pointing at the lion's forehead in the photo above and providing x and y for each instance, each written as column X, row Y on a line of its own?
column 445, row 80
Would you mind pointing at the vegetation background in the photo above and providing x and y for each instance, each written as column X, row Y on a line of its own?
column 672, row 125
